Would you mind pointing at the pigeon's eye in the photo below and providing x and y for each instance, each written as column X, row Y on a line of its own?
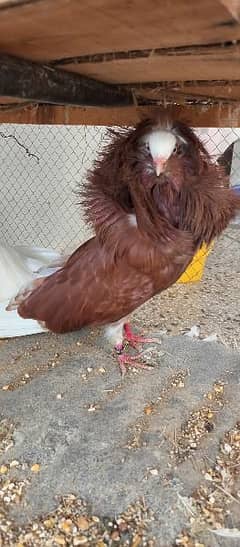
column 176, row 150
column 147, row 146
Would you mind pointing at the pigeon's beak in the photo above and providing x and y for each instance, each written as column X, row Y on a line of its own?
column 159, row 164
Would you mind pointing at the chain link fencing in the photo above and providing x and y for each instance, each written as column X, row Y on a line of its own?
column 42, row 165
column 40, row 168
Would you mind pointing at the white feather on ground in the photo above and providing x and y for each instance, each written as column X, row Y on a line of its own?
column 19, row 266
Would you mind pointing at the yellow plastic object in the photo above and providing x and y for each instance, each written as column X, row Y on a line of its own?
column 194, row 271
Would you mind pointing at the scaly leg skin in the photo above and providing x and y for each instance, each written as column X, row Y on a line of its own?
column 134, row 339
column 129, row 360
column 120, row 332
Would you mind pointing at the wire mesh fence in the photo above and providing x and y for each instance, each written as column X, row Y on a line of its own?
column 42, row 165
column 40, row 168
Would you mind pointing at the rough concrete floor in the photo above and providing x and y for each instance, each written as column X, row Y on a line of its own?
column 156, row 456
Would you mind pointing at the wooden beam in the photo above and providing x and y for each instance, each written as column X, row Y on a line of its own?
column 193, row 63
column 51, row 29
column 201, row 91
column 194, row 115
column 131, row 55
column 45, row 84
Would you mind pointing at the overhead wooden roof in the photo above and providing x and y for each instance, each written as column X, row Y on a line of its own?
column 119, row 54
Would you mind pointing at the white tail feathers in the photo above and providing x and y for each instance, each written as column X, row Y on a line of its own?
column 14, row 273
column 12, row 325
column 19, row 268
column 37, row 258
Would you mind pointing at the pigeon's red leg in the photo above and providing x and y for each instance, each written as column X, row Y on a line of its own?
column 121, row 333
column 134, row 339
column 125, row 360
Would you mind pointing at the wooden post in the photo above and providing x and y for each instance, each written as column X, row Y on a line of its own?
column 194, row 115
column 45, row 84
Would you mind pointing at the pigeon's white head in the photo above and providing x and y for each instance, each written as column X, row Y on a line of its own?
column 161, row 144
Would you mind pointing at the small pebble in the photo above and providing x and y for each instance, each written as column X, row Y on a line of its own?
column 218, row 388
column 83, row 523
column 49, row 523
column 60, row 540
column 14, row 463
column 95, row 519
column 80, row 540
column 154, row 472
column 3, row 469
column 227, row 448
column 91, row 408
column 36, row 468
column 66, row 526
column 137, row 540
column 115, row 536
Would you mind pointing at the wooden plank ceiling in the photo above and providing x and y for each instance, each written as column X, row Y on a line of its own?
column 146, row 52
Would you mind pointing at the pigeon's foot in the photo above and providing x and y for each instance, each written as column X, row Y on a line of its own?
column 135, row 340
column 125, row 360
